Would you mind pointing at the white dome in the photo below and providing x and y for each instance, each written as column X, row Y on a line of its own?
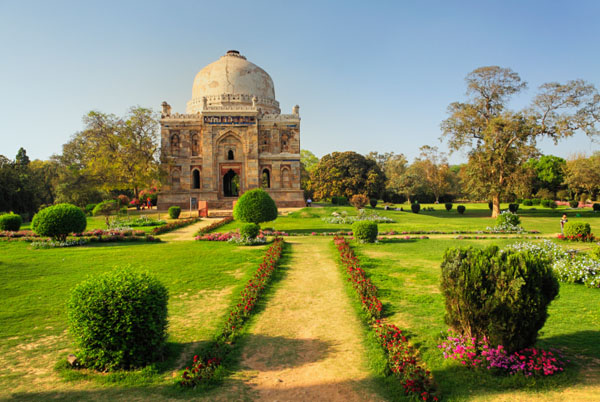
column 232, row 81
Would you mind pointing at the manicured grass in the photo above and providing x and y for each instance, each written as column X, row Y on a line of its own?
column 203, row 279
column 408, row 274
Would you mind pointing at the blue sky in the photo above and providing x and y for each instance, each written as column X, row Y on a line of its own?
column 368, row 76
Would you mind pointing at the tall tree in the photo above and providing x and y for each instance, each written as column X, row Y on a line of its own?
column 308, row 162
column 582, row 174
column 500, row 141
column 435, row 169
column 549, row 172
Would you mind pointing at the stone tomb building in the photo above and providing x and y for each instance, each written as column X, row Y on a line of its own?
column 232, row 138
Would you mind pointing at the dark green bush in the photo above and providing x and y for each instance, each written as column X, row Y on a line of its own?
column 57, row 221
column 596, row 207
column 89, row 208
column 546, row 203
column 119, row 320
column 174, row 212
column 11, row 222
column 461, row 209
column 415, row 208
column 501, row 295
column 513, row 208
column 339, row 200
column 249, row 230
column 527, row 202
column 448, row 206
column 577, row 229
column 553, row 204
column 365, row 231
column 573, row 203
column 255, row 206
column 373, row 202
column 536, row 201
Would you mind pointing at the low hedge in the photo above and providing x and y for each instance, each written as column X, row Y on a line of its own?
column 11, row 222
column 365, row 231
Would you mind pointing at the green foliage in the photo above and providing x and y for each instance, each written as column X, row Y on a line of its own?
column 373, row 202
column 346, row 173
column 365, row 231
column 536, row 201
column 249, row 230
column 577, row 228
column 57, row 221
column 416, row 207
column 527, row 202
column 508, row 218
column 448, row 206
column 89, row 208
column 573, row 203
column 359, row 201
column 123, row 199
column 461, row 209
column 174, row 212
column 255, row 206
column 10, row 222
column 501, row 295
column 547, row 203
column 339, row 201
column 513, row 208
column 119, row 319
column 596, row 207
column 106, row 208
column 549, row 170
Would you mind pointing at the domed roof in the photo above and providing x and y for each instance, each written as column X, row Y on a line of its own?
column 232, row 81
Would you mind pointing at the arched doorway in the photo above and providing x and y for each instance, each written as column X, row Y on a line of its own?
column 231, row 184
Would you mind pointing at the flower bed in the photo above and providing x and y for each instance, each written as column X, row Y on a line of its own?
column 579, row 237
column 215, row 225
column 78, row 239
column 402, row 358
column 203, row 369
column 462, row 237
column 174, row 225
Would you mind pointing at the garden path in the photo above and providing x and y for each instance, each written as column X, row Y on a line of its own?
column 307, row 343
column 187, row 233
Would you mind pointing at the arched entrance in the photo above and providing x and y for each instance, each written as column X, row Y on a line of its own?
column 231, row 184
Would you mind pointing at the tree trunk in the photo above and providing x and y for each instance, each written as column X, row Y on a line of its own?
column 495, row 205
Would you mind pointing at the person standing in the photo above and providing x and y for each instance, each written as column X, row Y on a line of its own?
column 563, row 220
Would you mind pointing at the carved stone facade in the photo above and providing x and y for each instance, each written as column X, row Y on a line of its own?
column 233, row 138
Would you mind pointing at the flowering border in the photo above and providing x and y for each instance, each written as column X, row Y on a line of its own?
column 174, row 225
column 77, row 239
column 402, row 358
column 213, row 226
column 203, row 370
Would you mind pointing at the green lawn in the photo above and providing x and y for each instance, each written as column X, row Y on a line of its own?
column 408, row 275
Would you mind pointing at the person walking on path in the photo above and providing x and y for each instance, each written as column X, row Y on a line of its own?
column 563, row 220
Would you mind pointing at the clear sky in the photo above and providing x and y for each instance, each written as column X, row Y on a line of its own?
column 368, row 75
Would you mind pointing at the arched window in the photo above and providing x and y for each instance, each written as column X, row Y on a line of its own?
column 195, row 145
column 230, row 155
column 266, row 179
column 285, row 178
column 175, row 178
column 174, row 143
column 195, row 178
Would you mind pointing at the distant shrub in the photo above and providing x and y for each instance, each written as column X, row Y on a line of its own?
column 546, row 203
column 544, row 194
column 123, row 199
column 365, row 231
column 513, row 208
column 119, row 320
column 249, row 230
column 461, row 209
column 518, row 287
column 573, row 203
column 373, row 202
column 255, row 206
column 57, row 221
column 553, row 204
column 527, row 202
column 536, row 201
column 577, row 229
column 415, row 208
column 11, row 222
column 339, row 200
column 359, row 201
column 174, row 212
column 596, row 207
column 507, row 218
column 106, row 209
column 89, row 208
column 448, row 206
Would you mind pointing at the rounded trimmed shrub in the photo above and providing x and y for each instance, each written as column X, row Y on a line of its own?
column 574, row 203
column 596, row 207
column 518, row 287
column 11, row 222
column 415, row 208
column 527, row 202
column 577, row 229
column 174, row 212
column 365, row 231
column 249, row 230
column 448, row 206
column 513, row 208
column 255, row 206
column 461, row 209
column 57, row 221
column 536, row 201
column 359, row 201
column 373, row 202
column 119, row 319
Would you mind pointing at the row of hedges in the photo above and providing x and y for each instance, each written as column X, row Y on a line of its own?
column 402, row 358
column 174, row 225
column 213, row 226
column 203, row 368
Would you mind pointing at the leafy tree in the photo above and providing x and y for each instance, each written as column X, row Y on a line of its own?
column 393, row 166
column 582, row 174
column 435, row 170
column 549, row 172
column 500, row 141
column 308, row 161
column 346, row 174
